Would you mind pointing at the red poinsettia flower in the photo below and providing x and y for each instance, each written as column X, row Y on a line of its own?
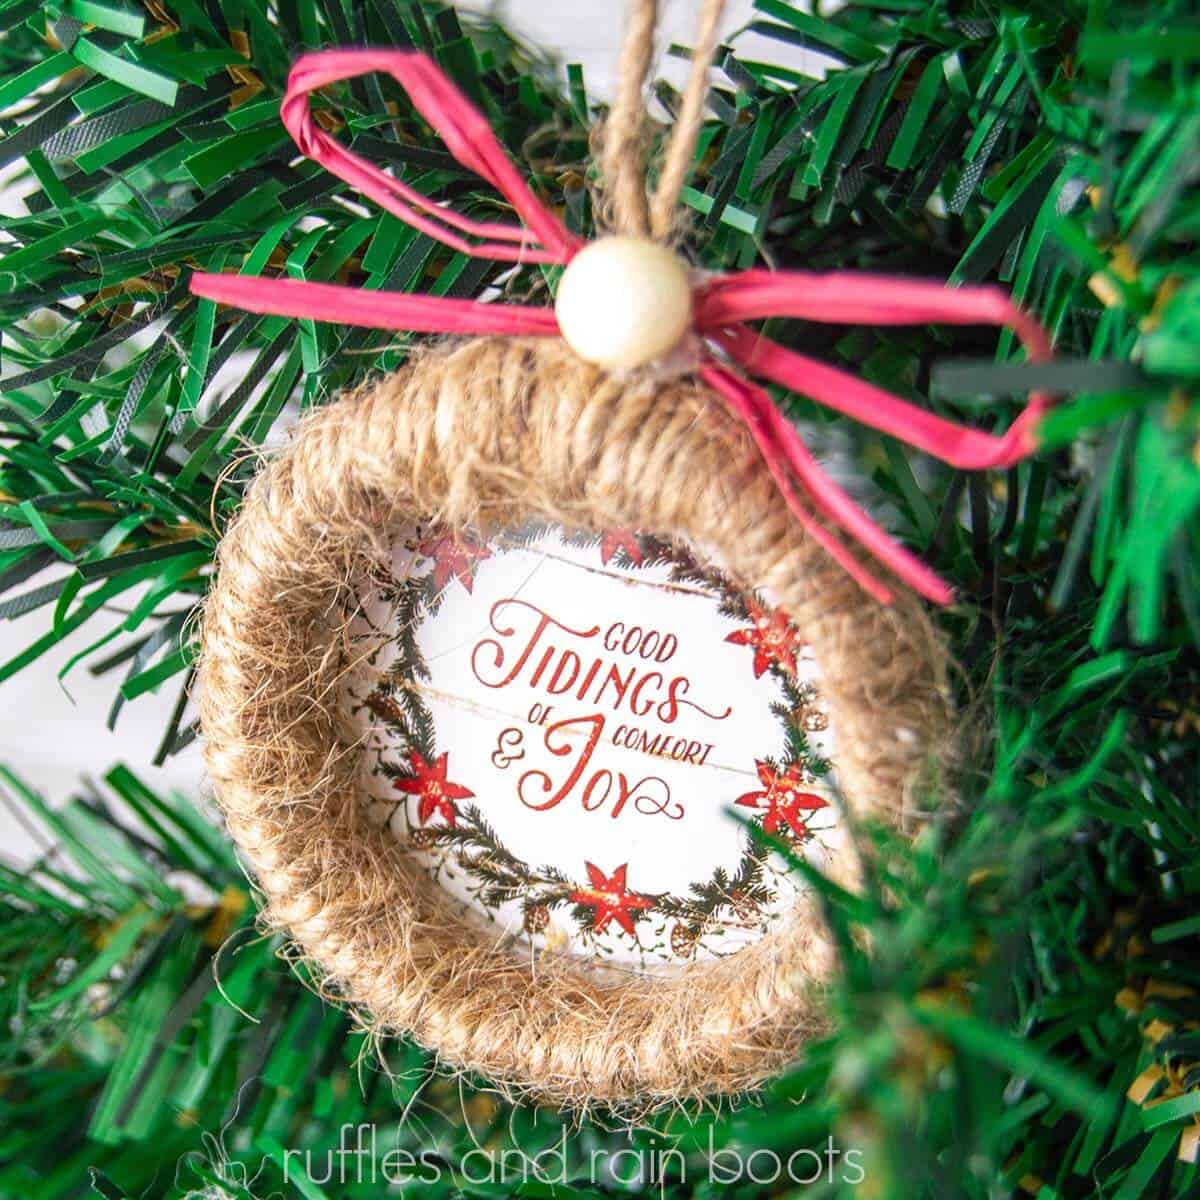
column 775, row 639
column 454, row 558
column 607, row 895
column 782, row 799
column 620, row 539
column 437, row 793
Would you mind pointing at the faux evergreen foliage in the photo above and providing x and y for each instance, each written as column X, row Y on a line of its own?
column 1020, row 1007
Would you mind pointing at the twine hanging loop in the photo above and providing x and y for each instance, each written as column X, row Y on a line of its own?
column 624, row 141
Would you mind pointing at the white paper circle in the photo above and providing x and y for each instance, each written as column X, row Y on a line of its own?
column 572, row 731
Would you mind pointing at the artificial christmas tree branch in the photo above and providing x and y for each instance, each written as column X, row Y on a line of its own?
column 1027, row 1021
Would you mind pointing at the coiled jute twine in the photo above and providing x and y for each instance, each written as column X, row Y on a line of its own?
column 490, row 433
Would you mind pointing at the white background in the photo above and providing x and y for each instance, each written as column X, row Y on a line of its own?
column 53, row 733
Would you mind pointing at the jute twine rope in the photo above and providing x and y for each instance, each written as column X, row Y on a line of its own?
column 624, row 138
column 490, row 433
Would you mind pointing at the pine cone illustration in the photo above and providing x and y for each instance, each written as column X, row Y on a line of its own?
column 683, row 940
column 808, row 715
column 813, row 720
column 537, row 917
column 423, row 839
column 385, row 708
column 744, row 906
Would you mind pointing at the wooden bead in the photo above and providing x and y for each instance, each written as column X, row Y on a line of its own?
column 624, row 302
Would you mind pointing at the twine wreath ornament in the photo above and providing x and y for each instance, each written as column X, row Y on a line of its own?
column 627, row 407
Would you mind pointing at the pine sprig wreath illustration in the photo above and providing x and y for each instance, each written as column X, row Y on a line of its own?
column 1018, row 1006
column 445, row 821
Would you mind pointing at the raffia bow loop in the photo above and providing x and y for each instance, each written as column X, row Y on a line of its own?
column 541, row 238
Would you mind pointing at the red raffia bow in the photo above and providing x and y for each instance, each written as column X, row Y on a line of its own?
column 721, row 306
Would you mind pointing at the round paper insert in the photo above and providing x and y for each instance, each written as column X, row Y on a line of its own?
column 577, row 735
